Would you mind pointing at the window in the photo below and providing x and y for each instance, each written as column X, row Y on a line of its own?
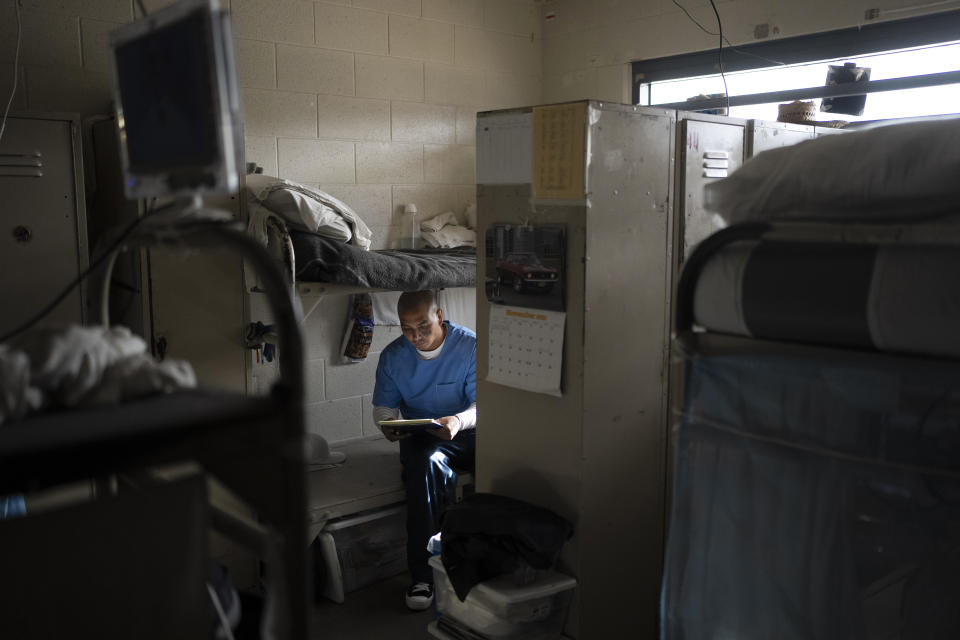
column 761, row 75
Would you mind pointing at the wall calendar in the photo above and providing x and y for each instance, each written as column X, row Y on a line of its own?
column 526, row 348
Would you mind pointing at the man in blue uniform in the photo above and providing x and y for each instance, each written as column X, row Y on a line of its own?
column 430, row 372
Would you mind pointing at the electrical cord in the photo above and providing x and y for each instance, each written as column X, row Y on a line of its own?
column 694, row 20
column 723, row 75
column 143, row 9
column 16, row 68
column 37, row 317
column 726, row 39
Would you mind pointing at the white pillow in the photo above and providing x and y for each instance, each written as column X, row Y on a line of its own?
column 299, row 208
column 899, row 170
column 317, row 211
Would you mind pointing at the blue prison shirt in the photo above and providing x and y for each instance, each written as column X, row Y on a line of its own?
column 429, row 388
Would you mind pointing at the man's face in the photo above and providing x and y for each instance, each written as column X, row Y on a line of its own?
column 423, row 329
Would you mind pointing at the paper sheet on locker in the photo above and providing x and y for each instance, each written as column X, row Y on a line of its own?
column 505, row 150
column 559, row 142
column 526, row 348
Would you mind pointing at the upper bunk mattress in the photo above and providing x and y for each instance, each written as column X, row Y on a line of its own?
column 890, row 297
column 321, row 259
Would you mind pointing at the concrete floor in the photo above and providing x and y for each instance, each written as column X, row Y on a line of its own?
column 376, row 612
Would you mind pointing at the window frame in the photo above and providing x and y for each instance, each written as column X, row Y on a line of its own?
column 840, row 43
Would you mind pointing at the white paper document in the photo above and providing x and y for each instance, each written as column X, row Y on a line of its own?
column 505, row 149
column 526, row 348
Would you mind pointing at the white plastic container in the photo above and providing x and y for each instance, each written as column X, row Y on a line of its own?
column 499, row 609
column 362, row 549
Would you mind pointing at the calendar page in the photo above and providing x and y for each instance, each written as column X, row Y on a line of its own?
column 526, row 348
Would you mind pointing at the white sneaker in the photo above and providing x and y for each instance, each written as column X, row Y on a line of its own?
column 420, row 596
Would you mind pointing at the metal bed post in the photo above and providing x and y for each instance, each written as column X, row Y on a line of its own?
column 287, row 508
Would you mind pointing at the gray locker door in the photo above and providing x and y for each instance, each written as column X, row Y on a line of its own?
column 43, row 244
column 709, row 151
column 763, row 136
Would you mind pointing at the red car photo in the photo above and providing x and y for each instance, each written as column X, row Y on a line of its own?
column 524, row 271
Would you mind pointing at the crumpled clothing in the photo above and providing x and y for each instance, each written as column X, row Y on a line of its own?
column 488, row 535
column 140, row 375
column 270, row 230
column 82, row 366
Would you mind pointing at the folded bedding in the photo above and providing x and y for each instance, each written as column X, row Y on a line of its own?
column 444, row 231
column 901, row 298
column 321, row 259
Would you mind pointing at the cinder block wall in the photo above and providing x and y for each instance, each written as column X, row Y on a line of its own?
column 375, row 100
column 339, row 395
column 587, row 46
column 376, row 104
column 371, row 100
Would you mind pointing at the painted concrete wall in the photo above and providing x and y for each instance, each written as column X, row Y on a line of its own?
column 372, row 100
column 587, row 45
column 339, row 395
column 375, row 100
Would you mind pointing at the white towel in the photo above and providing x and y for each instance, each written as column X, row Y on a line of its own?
column 439, row 221
column 450, row 236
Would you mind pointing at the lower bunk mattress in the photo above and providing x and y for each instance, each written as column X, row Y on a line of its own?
column 889, row 297
column 816, row 495
column 321, row 259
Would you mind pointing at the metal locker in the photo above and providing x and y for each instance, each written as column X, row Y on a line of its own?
column 711, row 148
column 596, row 454
column 763, row 135
column 42, row 218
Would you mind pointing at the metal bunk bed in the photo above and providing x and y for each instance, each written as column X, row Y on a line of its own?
column 253, row 445
column 817, row 435
column 369, row 476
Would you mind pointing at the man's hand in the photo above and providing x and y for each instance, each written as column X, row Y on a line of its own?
column 451, row 427
column 390, row 435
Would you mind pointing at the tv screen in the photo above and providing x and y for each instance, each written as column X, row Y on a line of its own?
column 174, row 101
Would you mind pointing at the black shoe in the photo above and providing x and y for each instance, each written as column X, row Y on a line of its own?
column 420, row 596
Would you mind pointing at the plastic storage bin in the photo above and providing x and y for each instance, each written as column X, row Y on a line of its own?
column 363, row 549
column 500, row 609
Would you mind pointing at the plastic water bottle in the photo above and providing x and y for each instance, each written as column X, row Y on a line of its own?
column 410, row 232
column 471, row 214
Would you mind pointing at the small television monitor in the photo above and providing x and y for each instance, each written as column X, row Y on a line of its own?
column 178, row 109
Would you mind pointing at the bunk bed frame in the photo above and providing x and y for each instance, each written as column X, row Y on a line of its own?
column 253, row 445
column 818, row 523
column 369, row 478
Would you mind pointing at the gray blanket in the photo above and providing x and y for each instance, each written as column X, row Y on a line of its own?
column 320, row 259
